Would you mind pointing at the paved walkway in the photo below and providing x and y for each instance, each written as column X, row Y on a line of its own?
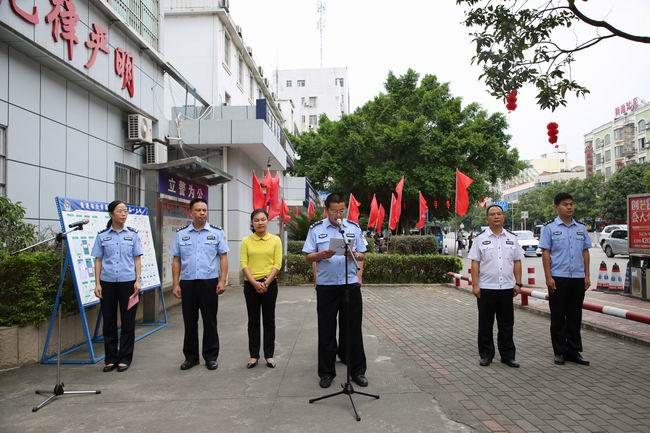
column 421, row 350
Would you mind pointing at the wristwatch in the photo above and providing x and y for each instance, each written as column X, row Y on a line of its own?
column 519, row 284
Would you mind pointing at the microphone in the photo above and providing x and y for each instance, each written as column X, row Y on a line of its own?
column 79, row 224
column 339, row 222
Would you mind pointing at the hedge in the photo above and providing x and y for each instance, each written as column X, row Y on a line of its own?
column 295, row 247
column 384, row 269
column 414, row 244
column 28, row 288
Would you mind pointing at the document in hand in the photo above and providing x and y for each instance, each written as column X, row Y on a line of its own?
column 133, row 300
column 337, row 245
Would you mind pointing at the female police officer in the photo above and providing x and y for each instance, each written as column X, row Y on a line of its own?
column 117, row 253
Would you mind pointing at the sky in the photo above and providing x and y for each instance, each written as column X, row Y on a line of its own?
column 373, row 37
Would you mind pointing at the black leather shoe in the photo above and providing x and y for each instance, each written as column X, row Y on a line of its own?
column 186, row 365
column 558, row 359
column 510, row 363
column 484, row 362
column 211, row 365
column 122, row 367
column 251, row 364
column 360, row 380
column 109, row 367
column 578, row 359
column 325, row 381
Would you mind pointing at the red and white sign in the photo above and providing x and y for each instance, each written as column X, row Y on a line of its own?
column 638, row 223
column 628, row 107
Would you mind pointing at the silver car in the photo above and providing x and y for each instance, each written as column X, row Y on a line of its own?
column 616, row 243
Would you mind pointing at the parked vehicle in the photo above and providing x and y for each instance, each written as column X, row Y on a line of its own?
column 528, row 243
column 438, row 233
column 616, row 243
column 607, row 232
column 537, row 231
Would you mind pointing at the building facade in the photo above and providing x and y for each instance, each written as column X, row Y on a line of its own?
column 314, row 92
column 622, row 141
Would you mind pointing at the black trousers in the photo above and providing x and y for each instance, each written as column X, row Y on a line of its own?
column 114, row 295
column 329, row 300
column 566, row 315
column 264, row 303
column 495, row 303
column 200, row 295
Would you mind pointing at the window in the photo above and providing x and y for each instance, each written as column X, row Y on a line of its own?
column 3, row 161
column 300, row 83
column 240, row 76
column 127, row 184
column 599, row 143
column 641, row 143
column 313, row 120
column 608, row 171
column 618, row 134
column 226, row 99
column 642, row 160
column 251, row 85
column 226, row 49
column 599, row 158
column 338, row 82
column 618, row 151
column 641, row 127
column 289, row 83
column 608, row 155
column 302, row 119
column 312, row 101
column 607, row 140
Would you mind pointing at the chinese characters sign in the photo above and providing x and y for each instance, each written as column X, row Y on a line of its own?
column 175, row 186
column 638, row 223
column 64, row 18
column 628, row 107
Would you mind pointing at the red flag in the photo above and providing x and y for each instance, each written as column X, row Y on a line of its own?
column 372, row 219
column 423, row 211
column 284, row 212
column 258, row 194
column 435, row 203
column 393, row 216
column 266, row 180
column 273, row 197
column 398, row 198
column 296, row 211
column 311, row 211
column 353, row 209
column 462, row 196
column 380, row 217
column 448, row 204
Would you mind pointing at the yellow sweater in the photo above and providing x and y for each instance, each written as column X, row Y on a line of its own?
column 261, row 254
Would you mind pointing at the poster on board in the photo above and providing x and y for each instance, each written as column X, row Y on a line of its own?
column 80, row 243
column 638, row 223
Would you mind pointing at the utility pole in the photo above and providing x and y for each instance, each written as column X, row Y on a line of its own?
column 321, row 26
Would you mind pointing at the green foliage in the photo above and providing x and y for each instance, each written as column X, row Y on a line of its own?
column 416, row 129
column 28, row 288
column 14, row 233
column 631, row 179
column 384, row 269
column 299, row 225
column 412, row 245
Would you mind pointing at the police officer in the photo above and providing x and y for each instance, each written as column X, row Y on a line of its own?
column 496, row 278
column 330, row 290
column 565, row 247
column 118, row 255
column 199, row 260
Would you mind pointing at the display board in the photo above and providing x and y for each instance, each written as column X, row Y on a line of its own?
column 174, row 215
column 638, row 223
column 80, row 243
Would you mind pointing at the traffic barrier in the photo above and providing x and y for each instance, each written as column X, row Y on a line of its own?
column 616, row 283
column 603, row 279
column 531, row 276
column 586, row 305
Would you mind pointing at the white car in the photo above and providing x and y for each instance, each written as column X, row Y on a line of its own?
column 607, row 233
column 528, row 243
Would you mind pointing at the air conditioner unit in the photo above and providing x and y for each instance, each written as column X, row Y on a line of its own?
column 140, row 128
column 238, row 30
column 250, row 51
column 155, row 153
column 226, row 5
column 261, row 71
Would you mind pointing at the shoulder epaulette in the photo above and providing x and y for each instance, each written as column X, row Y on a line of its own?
column 132, row 229
column 182, row 228
column 511, row 232
column 216, row 227
column 316, row 223
column 549, row 221
column 353, row 223
column 481, row 233
column 105, row 230
column 580, row 222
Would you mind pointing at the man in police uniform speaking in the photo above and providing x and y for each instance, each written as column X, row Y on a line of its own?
column 496, row 278
column 565, row 247
column 330, row 290
column 199, row 259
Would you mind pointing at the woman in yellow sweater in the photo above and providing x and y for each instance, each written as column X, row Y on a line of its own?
column 260, row 260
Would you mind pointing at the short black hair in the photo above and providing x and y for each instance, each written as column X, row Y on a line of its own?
column 197, row 200
column 561, row 196
column 487, row 211
column 259, row 210
column 334, row 197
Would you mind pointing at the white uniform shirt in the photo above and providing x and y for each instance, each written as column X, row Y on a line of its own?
column 496, row 255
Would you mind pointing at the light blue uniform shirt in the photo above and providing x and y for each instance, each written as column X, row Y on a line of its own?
column 117, row 250
column 199, row 251
column 566, row 243
column 331, row 272
column 496, row 255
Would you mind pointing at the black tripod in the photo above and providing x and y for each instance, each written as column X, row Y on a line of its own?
column 58, row 388
column 347, row 386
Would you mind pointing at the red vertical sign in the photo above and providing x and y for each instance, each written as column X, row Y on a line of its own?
column 638, row 223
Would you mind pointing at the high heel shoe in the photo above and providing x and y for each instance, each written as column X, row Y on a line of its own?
column 251, row 364
column 270, row 364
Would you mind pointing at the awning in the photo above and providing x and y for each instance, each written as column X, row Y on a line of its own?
column 193, row 168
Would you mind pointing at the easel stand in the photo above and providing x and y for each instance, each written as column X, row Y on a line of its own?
column 58, row 390
column 348, row 389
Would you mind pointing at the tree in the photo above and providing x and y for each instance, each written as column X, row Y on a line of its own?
column 416, row 129
column 518, row 43
column 631, row 179
column 14, row 232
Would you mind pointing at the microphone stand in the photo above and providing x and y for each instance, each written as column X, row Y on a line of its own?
column 348, row 389
column 58, row 388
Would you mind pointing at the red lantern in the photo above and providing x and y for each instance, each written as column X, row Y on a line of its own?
column 511, row 100
column 552, row 131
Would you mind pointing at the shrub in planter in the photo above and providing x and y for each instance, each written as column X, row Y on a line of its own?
column 412, row 245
